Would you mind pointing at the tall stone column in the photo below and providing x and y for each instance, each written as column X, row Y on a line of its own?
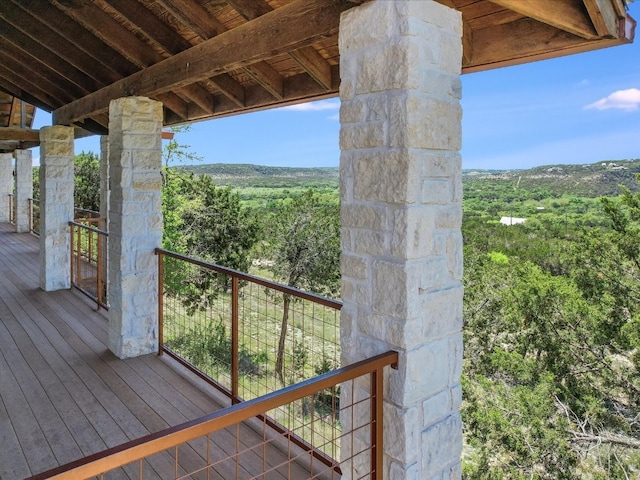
column 24, row 189
column 56, row 206
column 401, row 193
column 135, row 224
column 6, row 185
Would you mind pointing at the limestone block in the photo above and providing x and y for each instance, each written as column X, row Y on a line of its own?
column 432, row 13
column 442, row 313
column 361, row 29
column 363, row 135
column 441, row 446
column 369, row 242
column 402, row 427
column 449, row 216
column 354, row 266
column 436, row 408
column 438, row 191
column 421, row 121
column 411, row 232
column 424, row 371
column 367, row 216
column 398, row 186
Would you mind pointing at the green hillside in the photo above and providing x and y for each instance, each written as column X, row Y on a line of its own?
column 589, row 180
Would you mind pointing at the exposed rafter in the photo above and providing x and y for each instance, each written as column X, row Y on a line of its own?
column 568, row 15
column 298, row 24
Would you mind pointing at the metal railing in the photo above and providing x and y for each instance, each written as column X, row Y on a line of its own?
column 196, row 449
column 88, row 258
column 12, row 209
column 227, row 326
column 34, row 216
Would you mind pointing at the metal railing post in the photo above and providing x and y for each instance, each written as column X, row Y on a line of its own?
column 377, row 428
column 160, row 301
column 235, row 374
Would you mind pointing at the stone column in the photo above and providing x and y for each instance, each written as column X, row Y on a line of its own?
column 56, row 206
column 401, row 194
column 6, row 185
column 24, row 189
column 135, row 224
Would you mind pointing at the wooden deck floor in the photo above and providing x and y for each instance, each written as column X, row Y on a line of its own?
column 64, row 395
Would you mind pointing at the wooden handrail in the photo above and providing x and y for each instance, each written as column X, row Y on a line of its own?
column 126, row 453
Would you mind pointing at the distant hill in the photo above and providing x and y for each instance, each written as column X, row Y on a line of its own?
column 589, row 180
column 246, row 175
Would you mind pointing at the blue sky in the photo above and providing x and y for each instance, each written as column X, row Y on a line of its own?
column 578, row 109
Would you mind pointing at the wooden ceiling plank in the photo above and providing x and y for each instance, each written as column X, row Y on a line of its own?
column 24, row 47
column 19, row 134
column 111, row 32
column 152, row 26
column 604, row 17
column 314, row 64
column 82, row 38
column 12, row 111
column 570, row 16
column 293, row 26
column 267, row 77
column 250, row 9
column 194, row 16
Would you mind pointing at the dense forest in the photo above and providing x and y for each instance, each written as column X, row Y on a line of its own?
column 552, row 306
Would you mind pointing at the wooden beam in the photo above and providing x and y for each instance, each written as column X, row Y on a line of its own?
column 292, row 26
column 12, row 89
column 111, row 32
column 30, row 85
column 568, row 15
column 194, row 16
column 537, row 41
column 19, row 134
column 31, row 52
column 604, row 17
column 467, row 43
column 200, row 96
column 229, row 87
column 297, row 89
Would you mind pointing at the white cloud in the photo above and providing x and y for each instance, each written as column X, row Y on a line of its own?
column 315, row 106
column 627, row 100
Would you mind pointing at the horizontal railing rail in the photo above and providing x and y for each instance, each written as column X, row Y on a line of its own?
column 85, row 213
column 88, row 259
column 363, row 435
column 248, row 336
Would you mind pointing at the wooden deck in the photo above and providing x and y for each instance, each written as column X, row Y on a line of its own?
column 64, row 395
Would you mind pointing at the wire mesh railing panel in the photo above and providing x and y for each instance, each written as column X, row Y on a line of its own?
column 12, row 209
column 252, row 337
column 34, row 216
column 88, row 259
column 238, row 443
column 197, row 318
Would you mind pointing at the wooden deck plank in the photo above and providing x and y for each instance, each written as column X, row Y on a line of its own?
column 63, row 394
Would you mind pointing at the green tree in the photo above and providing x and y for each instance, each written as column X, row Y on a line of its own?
column 86, row 193
column 304, row 247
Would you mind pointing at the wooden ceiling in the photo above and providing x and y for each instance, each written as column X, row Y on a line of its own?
column 16, row 117
column 209, row 58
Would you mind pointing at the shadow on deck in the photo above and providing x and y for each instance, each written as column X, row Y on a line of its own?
column 64, row 395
